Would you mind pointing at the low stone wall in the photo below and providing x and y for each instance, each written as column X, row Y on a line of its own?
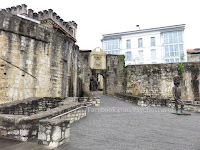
column 23, row 127
column 142, row 101
column 54, row 132
column 30, row 106
column 90, row 100
column 47, row 119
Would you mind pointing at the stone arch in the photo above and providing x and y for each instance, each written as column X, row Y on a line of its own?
column 97, row 62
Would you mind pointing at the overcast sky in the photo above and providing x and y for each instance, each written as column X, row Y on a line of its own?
column 97, row 17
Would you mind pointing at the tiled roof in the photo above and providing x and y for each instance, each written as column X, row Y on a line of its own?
column 193, row 51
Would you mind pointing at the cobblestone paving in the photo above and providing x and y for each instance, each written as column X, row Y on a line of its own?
column 133, row 128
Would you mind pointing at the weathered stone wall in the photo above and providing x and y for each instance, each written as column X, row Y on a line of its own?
column 35, row 61
column 30, row 106
column 53, row 132
column 193, row 57
column 156, row 80
column 84, row 71
column 114, row 74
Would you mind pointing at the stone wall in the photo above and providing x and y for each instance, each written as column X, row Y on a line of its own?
column 54, row 132
column 20, row 119
column 114, row 74
column 156, row 80
column 30, row 106
column 193, row 57
column 84, row 70
column 35, row 61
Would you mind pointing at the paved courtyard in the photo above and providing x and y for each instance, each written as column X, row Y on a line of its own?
column 120, row 125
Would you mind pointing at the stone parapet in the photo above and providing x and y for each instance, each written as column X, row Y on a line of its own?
column 24, row 27
column 46, row 17
column 19, row 9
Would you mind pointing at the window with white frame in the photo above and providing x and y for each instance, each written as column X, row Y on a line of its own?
column 173, row 50
column 116, row 52
column 172, row 60
column 177, row 60
column 166, row 60
column 128, row 44
column 128, row 56
column 141, row 57
column 153, row 54
column 111, row 44
column 153, row 41
column 140, row 43
column 173, row 37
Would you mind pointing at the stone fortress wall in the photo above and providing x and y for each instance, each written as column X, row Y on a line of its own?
column 36, row 60
column 156, row 80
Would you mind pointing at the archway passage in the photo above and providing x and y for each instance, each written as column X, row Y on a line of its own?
column 97, row 62
column 98, row 80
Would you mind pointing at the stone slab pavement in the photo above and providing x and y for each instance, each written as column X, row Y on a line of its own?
column 120, row 125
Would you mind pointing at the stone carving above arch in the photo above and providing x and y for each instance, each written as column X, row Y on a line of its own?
column 98, row 59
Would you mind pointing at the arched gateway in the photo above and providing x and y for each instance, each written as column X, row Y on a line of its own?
column 97, row 63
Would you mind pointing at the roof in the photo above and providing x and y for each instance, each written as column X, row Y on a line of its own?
column 193, row 51
column 85, row 50
column 162, row 29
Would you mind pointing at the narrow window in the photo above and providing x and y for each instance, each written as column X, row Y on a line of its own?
column 128, row 44
column 128, row 56
column 140, row 43
column 140, row 55
column 153, row 54
column 153, row 42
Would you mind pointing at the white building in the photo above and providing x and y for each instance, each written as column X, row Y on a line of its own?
column 148, row 46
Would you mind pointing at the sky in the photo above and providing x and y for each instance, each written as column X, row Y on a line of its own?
column 98, row 17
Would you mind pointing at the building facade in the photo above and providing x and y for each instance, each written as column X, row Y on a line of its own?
column 148, row 46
